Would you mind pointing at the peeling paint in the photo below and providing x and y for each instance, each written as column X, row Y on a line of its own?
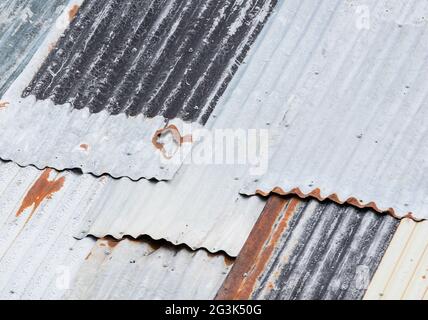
column 42, row 189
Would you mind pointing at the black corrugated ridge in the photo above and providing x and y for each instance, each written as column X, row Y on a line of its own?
column 327, row 251
column 170, row 58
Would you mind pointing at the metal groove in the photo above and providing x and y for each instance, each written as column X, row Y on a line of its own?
column 169, row 58
column 312, row 251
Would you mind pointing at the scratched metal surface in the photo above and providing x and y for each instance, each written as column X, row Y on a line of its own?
column 23, row 26
column 149, row 63
column 40, row 258
column 355, row 86
column 304, row 249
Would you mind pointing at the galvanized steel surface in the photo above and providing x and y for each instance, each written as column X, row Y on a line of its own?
column 355, row 92
column 302, row 249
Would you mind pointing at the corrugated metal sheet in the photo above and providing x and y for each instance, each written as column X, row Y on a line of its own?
column 403, row 271
column 201, row 205
column 95, row 65
column 354, row 83
column 40, row 259
column 23, row 26
column 106, row 206
column 169, row 58
column 132, row 269
column 309, row 250
column 36, row 223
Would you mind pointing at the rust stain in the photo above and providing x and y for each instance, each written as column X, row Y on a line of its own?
column 42, row 189
column 73, row 12
column 228, row 261
column 111, row 243
column 3, row 104
column 316, row 193
column 178, row 138
column 84, row 146
column 258, row 248
column 88, row 256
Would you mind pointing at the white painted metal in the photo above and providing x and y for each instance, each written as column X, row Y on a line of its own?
column 403, row 271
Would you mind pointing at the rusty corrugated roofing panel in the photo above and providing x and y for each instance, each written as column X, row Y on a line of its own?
column 355, row 88
column 23, row 26
column 161, row 62
column 201, row 205
column 303, row 249
column 40, row 258
column 403, row 271
column 137, row 269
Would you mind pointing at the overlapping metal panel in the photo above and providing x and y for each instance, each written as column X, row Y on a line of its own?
column 40, row 258
column 155, row 60
column 201, row 206
column 403, row 271
column 132, row 269
column 23, row 26
column 106, row 206
column 302, row 249
column 355, row 90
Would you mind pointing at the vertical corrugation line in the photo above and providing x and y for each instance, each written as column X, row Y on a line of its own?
column 153, row 57
column 313, row 251
column 403, row 271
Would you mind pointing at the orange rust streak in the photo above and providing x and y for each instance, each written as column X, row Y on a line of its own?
column 258, row 248
column 3, row 104
column 73, row 12
column 40, row 190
